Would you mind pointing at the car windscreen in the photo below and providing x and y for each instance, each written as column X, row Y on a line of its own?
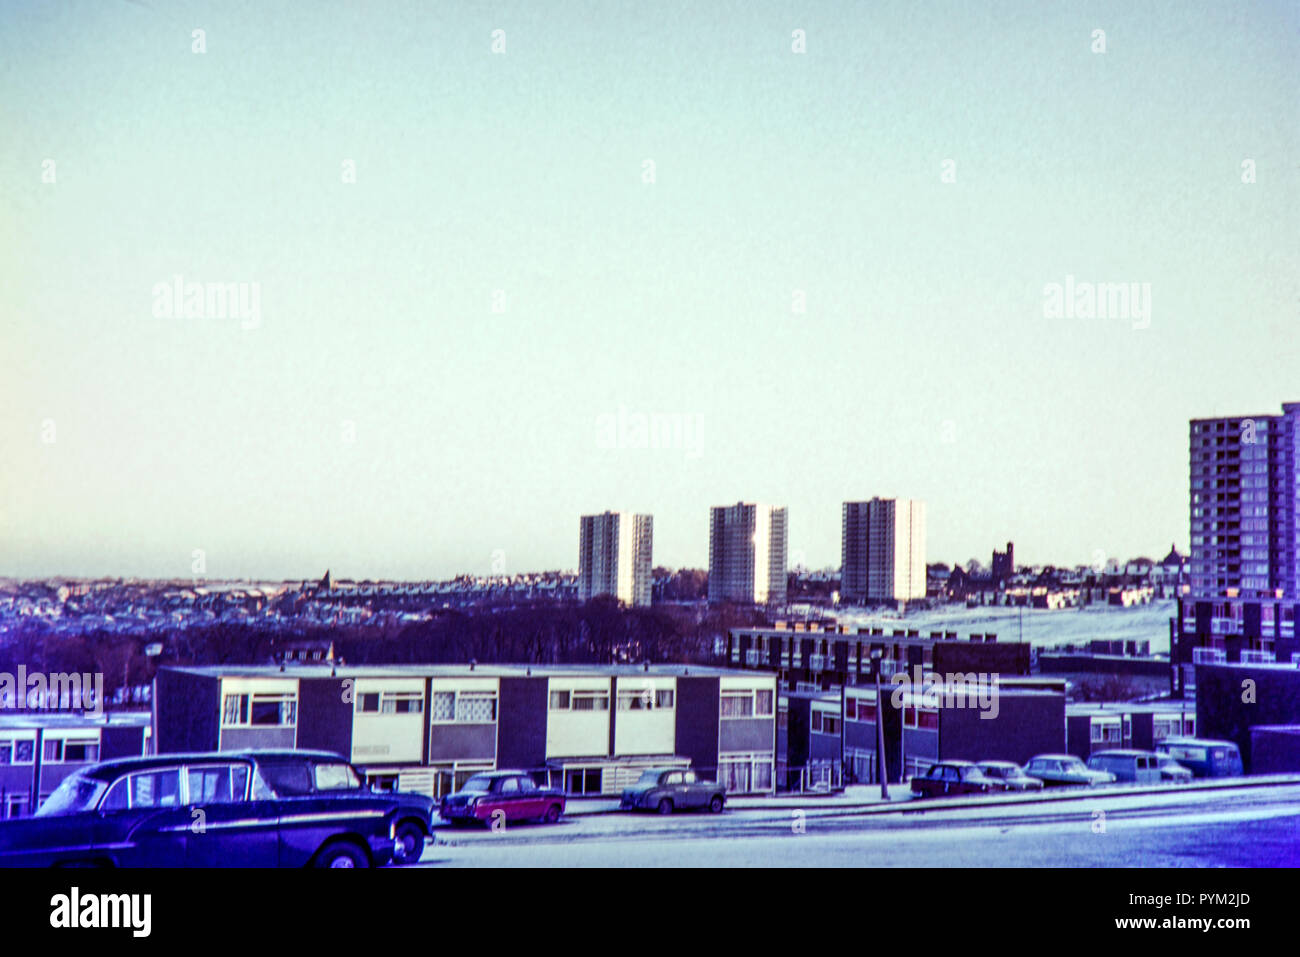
column 479, row 782
column 648, row 778
column 76, row 793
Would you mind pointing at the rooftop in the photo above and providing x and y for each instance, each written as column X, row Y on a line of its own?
column 460, row 671
column 64, row 719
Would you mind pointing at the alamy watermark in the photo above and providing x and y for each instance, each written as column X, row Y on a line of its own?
column 955, row 690
column 179, row 299
column 652, row 430
column 56, row 691
column 1098, row 300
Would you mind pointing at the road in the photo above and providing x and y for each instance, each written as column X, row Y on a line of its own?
column 1239, row 827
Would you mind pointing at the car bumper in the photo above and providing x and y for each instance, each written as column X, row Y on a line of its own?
column 459, row 813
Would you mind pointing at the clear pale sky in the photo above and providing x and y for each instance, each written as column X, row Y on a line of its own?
column 923, row 365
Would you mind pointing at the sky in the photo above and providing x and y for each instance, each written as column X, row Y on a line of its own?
column 827, row 271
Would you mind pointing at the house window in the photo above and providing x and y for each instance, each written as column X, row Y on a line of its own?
column 636, row 700
column 260, row 710
column 402, row 702
column 15, row 805
column 580, row 700
column 824, row 722
column 582, row 780
column 444, row 706
column 646, row 699
column 590, row 700
column 57, row 751
column 465, row 707
column 1106, row 732
column 391, row 702
column 742, row 773
column 476, row 707
column 928, row 719
column 17, row 752
column 746, row 704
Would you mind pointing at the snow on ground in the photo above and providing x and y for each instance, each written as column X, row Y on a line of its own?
column 1258, row 825
column 1041, row 628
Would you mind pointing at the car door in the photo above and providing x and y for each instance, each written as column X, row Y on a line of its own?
column 532, row 803
column 696, row 792
column 674, row 785
column 302, row 823
column 226, row 828
column 936, row 784
column 508, row 799
column 142, row 822
column 949, row 779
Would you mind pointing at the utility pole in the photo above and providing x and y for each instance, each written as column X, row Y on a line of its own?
column 876, row 655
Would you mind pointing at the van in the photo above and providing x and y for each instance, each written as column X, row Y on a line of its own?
column 1204, row 757
column 1129, row 767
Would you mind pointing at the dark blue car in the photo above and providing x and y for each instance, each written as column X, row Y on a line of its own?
column 228, row 809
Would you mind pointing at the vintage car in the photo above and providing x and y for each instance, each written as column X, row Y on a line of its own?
column 665, row 790
column 238, row 808
column 1009, row 776
column 1203, row 757
column 1065, row 770
column 501, row 796
column 1139, row 767
column 952, row 777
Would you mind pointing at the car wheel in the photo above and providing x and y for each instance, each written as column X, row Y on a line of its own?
column 409, row 845
column 715, row 804
column 665, row 806
column 342, row 854
column 552, row 814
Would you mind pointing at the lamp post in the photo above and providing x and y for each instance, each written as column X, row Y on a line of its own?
column 876, row 656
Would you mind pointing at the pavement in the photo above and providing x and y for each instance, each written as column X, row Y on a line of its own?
column 1247, row 822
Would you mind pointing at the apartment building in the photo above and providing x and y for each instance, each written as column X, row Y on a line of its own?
column 427, row 728
column 883, row 551
column 813, row 656
column 615, row 556
column 1244, row 592
column 747, row 554
column 39, row 749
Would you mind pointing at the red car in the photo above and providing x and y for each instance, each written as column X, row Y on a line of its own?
column 502, row 796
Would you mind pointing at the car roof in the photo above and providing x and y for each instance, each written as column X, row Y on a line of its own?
column 999, row 764
column 1055, row 757
column 107, row 769
column 1123, row 753
column 1204, row 742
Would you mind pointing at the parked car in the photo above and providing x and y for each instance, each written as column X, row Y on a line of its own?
column 1171, row 770
column 502, row 796
column 952, row 777
column 1010, row 776
column 1065, row 770
column 666, row 790
column 1204, row 757
column 1129, row 765
column 241, row 809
